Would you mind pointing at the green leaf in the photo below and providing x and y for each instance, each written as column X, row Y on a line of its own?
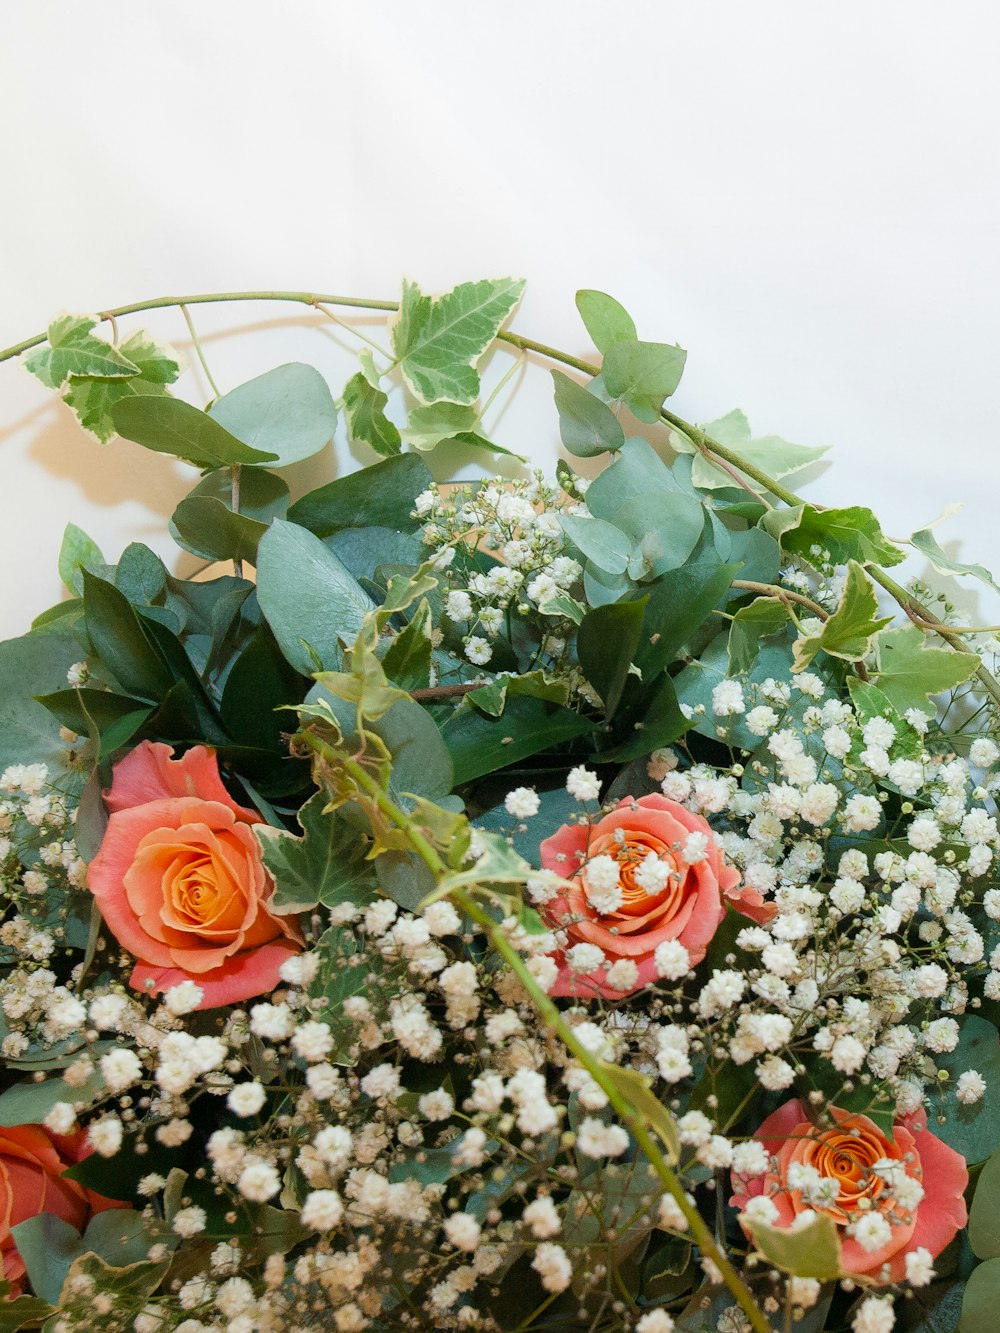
column 770, row 453
column 204, row 522
column 497, row 863
column 492, row 699
column 869, row 701
column 172, row 426
column 587, row 427
column 439, row 340
column 367, row 422
column 78, row 552
column 30, row 1103
column 326, row 865
column 643, row 374
column 851, row 629
column 381, row 496
column 84, row 709
column 122, row 641
column 847, row 534
column 926, row 543
column 763, row 617
column 93, row 399
column 407, row 661
column 429, row 426
column 474, row 440
column 606, row 642
column 812, row 1250
column 287, row 413
column 48, row 1246
column 561, row 604
column 606, row 321
column 984, row 1216
column 479, row 744
column 973, row 1131
column 909, row 673
column 662, row 724
column 307, row 596
column 260, row 682
column 23, row 1310
column 28, row 734
column 600, row 542
column 652, row 1113
column 72, row 350
column 981, row 1299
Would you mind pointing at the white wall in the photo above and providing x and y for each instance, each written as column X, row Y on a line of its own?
column 803, row 195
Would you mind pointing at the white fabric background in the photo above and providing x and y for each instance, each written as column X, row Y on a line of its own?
column 805, row 196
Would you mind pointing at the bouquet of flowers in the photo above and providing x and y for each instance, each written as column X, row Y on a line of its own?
column 526, row 904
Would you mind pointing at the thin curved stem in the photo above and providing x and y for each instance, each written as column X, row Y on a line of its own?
column 199, row 350
column 712, row 448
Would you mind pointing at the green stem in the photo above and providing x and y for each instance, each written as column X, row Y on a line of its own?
column 712, row 448
column 196, row 341
column 552, row 1016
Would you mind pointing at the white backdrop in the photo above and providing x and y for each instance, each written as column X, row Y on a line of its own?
column 805, row 196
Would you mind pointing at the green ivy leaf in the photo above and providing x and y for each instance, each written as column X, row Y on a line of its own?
column 22, row 1310
column 93, row 399
column 172, row 426
column 600, row 542
column 851, row 629
column 763, row 617
column 326, row 865
column 812, row 1250
column 587, row 427
column 643, row 374
column 429, row 426
column 287, row 413
column 407, row 661
column 606, row 320
column 308, row 597
column 848, row 534
column 367, row 422
column 926, row 543
column 439, row 340
column 910, row 673
column 72, row 350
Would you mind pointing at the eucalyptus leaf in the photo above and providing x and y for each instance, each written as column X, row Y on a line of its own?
column 587, row 426
column 78, row 552
column 308, row 597
column 379, row 496
column 172, row 426
column 606, row 320
column 981, row 1299
column 287, row 413
column 601, row 543
column 984, row 1216
column 972, row 1130
column 643, row 374
column 606, row 642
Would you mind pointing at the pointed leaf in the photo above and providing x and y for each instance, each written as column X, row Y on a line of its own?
column 910, row 673
column 812, row 1250
column 846, row 534
column 926, row 543
column 429, row 426
column 172, row 426
column 851, row 629
column 764, row 616
column 92, row 399
column 382, row 495
column 600, row 542
column 326, row 865
column 606, row 642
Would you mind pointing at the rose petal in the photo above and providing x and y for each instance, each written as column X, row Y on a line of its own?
column 239, row 977
column 150, row 773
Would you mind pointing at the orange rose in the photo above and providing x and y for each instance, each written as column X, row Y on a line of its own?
column 31, row 1182
column 930, row 1177
column 181, row 881
column 632, row 919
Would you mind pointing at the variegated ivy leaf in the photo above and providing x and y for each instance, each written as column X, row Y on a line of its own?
column 851, row 629
column 824, row 537
column 92, row 399
column 777, row 457
column 71, row 349
column 367, row 422
column 439, row 340
column 927, row 544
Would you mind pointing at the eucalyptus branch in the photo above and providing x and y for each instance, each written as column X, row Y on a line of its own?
column 552, row 1016
column 705, row 443
column 430, row 693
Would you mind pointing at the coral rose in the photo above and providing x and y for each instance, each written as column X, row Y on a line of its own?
column 914, row 1183
column 669, row 886
column 181, row 881
column 31, row 1165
